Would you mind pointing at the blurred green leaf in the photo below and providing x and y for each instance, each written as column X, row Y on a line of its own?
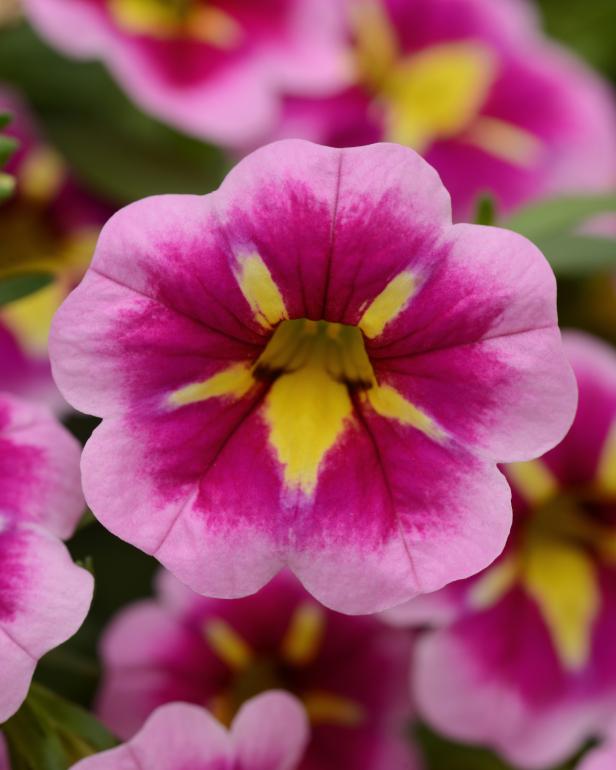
column 485, row 211
column 558, row 215
column 17, row 286
column 579, row 255
column 442, row 754
column 5, row 119
column 49, row 733
column 112, row 147
column 8, row 145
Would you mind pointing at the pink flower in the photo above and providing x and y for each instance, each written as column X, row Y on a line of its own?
column 525, row 661
column 44, row 597
column 215, row 69
column 269, row 733
column 51, row 226
column 312, row 367
column 350, row 672
column 474, row 86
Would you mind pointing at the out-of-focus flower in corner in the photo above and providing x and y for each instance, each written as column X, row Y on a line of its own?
column 44, row 597
column 350, row 672
column 312, row 367
column 218, row 68
column 269, row 733
column 524, row 660
column 475, row 87
column 49, row 226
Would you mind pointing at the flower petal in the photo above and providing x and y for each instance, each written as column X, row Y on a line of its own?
column 39, row 468
column 44, row 598
column 479, row 347
column 270, row 732
column 176, row 735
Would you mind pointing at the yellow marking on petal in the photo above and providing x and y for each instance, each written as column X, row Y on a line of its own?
column 436, row 93
column 533, row 480
column 233, row 382
column 389, row 403
column 376, row 44
column 388, row 305
column 328, row 708
column 228, row 644
column 303, row 638
column 41, row 175
column 505, row 141
column 606, row 473
column 215, row 27
column 260, row 291
column 494, row 584
column 29, row 318
column 306, row 411
column 562, row 580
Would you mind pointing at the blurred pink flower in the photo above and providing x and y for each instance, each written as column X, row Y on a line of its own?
column 350, row 672
column 313, row 367
column 215, row 69
column 269, row 733
column 524, row 660
column 50, row 226
column 475, row 87
column 44, row 597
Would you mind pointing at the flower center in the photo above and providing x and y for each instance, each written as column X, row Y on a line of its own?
column 174, row 19
column 436, row 93
column 334, row 350
column 556, row 559
column 287, row 666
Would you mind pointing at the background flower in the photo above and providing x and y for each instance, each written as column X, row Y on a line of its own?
column 216, row 69
column 183, row 647
column 44, row 597
column 525, row 663
column 474, row 86
column 48, row 228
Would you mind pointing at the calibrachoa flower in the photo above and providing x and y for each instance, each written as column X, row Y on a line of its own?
column 474, row 86
column 350, row 672
column 269, row 733
column 50, row 226
column 527, row 663
column 44, row 597
column 312, row 367
column 215, row 68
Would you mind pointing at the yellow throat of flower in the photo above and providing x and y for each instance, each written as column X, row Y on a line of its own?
column 436, row 93
column 173, row 19
column 556, row 560
column 254, row 671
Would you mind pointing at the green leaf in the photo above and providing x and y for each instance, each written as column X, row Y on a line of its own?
column 5, row 119
column 114, row 148
column 8, row 145
column 49, row 733
column 578, row 255
column 558, row 215
column 18, row 286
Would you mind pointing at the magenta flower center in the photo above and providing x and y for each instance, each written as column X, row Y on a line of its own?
column 292, row 665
